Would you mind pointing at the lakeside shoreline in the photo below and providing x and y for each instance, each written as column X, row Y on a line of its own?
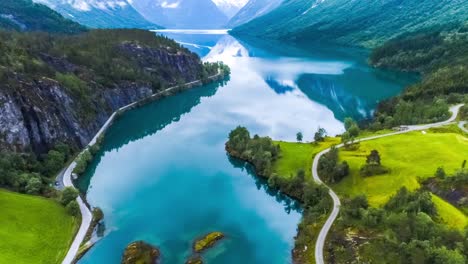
column 86, row 214
column 297, row 254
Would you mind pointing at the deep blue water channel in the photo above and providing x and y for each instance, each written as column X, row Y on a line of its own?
column 163, row 175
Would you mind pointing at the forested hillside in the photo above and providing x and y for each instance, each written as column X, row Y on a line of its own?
column 365, row 23
column 24, row 15
column 441, row 56
column 57, row 91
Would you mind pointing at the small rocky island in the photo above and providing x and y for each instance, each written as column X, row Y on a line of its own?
column 194, row 260
column 140, row 252
column 207, row 241
column 202, row 244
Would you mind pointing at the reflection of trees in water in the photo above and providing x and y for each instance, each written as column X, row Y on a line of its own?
column 151, row 118
column 323, row 89
column 147, row 120
column 262, row 184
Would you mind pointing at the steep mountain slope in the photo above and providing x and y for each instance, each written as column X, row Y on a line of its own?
column 182, row 14
column 62, row 89
column 252, row 10
column 366, row 22
column 24, row 15
column 230, row 7
column 100, row 13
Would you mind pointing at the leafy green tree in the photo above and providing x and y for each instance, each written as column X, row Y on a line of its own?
column 238, row 139
column 54, row 162
column 64, row 149
column 346, row 138
column 314, row 194
column 319, row 136
column 295, row 186
column 68, row 194
column 348, row 123
column 354, row 206
column 374, row 158
column 73, row 208
column 440, row 173
column 443, row 256
column 299, row 136
column 34, row 186
column 82, row 162
column 330, row 169
column 354, row 131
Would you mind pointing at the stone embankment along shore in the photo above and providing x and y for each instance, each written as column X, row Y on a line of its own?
column 86, row 215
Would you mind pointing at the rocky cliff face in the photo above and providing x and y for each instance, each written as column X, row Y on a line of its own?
column 36, row 114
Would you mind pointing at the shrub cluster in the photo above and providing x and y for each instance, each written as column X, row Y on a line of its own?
column 329, row 168
column 28, row 173
column 260, row 151
column 406, row 230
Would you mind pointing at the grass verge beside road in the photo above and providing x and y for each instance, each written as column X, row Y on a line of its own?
column 296, row 156
column 34, row 229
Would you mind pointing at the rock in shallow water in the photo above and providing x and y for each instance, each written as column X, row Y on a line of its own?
column 195, row 260
column 207, row 241
column 140, row 252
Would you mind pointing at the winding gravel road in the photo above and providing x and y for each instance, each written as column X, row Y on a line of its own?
column 336, row 201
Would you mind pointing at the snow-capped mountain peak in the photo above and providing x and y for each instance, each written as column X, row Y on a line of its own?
column 230, row 7
column 87, row 5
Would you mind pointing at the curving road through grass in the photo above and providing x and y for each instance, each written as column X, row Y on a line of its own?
column 462, row 124
column 336, row 200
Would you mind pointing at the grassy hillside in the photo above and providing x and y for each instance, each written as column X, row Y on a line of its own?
column 449, row 214
column 34, row 229
column 395, row 217
column 24, row 15
column 409, row 157
column 299, row 156
column 365, row 23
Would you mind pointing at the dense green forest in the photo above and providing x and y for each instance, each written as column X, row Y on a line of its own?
column 83, row 65
column 97, row 59
column 24, row 15
column 363, row 23
column 441, row 56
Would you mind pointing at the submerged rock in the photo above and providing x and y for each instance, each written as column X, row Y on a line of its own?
column 194, row 260
column 140, row 252
column 207, row 241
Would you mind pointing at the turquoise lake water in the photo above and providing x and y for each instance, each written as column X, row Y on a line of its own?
column 163, row 175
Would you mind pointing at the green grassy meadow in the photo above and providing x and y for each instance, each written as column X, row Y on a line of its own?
column 408, row 156
column 449, row 214
column 296, row 156
column 34, row 229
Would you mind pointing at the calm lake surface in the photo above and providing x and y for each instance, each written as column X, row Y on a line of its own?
column 163, row 175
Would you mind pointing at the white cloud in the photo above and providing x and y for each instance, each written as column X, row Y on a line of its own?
column 167, row 4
